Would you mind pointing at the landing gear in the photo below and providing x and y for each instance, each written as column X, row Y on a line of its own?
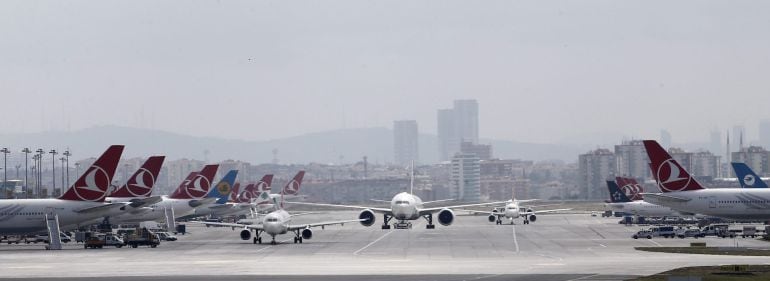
column 385, row 221
column 499, row 222
column 526, row 221
column 297, row 237
column 429, row 218
column 255, row 240
column 273, row 242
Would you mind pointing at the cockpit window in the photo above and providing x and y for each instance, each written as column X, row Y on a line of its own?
column 272, row 220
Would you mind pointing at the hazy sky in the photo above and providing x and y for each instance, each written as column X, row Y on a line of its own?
column 542, row 71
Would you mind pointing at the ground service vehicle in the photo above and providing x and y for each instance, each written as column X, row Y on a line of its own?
column 99, row 241
column 142, row 237
column 749, row 231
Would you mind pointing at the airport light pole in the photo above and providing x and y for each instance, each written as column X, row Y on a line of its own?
column 26, row 152
column 5, row 152
column 62, row 171
column 53, row 170
column 67, row 160
column 39, row 175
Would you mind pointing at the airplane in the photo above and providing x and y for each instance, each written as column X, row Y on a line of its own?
column 182, row 202
column 138, row 187
column 513, row 210
column 404, row 207
column 276, row 223
column 222, row 193
column 747, row 177
column 621, row 202
column 82, row 202
column 682, row 192
column 266, row 201
column 248, row 199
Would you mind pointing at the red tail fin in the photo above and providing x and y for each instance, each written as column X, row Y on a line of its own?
column 248, row 193
column 630, row 187
column 199, row 185
column 140, row 184
column 94, row 184
column 179, row 193
column 667, row 171
column 265, row 183
column 292, row 187
column 235, row 192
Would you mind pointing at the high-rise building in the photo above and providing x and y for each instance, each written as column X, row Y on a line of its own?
column 594, row 169
column 458, row 124
column 764, row 133
column 756, row 157
column 483, row 151
column 466, row 178
column 632, row 159
column 665, row 139
column 405, row 141
column 706, row 164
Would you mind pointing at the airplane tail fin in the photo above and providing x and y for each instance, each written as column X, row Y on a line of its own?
column 223, row 189
column 179, row 192
column 200, row 186
column 140, row 184
column 616, row 196
column 292, row 187
column 236, row 191
column 94, row 184
column 265, row 183
column 632, row 189
column 747, row 177
column 667, row 172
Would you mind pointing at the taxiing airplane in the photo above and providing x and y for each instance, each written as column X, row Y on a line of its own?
column 682, row 192
column 82, row 202
column 513, row 210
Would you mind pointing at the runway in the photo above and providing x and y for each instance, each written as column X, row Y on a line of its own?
column 555, row 247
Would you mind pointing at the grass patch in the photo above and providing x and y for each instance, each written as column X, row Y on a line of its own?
column 731, row 251
column 709, row 273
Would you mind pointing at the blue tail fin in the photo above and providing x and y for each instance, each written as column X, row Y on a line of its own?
column 616, row 196
column 747, row 177
column 224, row 187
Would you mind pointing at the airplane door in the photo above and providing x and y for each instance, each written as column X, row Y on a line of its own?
column 712, row 202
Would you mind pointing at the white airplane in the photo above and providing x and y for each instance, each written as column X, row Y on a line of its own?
column 82, row 202
column 276, row 223
column 513, row 210
column 404, row 207
column 620, row 202
column 683, row 193
column 182, row 202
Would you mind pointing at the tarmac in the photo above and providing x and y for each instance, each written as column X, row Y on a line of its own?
column 555, row 247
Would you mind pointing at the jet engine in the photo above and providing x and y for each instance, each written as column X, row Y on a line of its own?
column 492, row 218
column 245, row 234
column 532, row 218
column 307, row 233
column 367, row 217
column 446, row 217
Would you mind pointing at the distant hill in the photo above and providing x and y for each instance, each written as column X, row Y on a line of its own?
column 321, row 147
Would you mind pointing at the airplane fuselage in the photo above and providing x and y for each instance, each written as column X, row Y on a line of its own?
column 20, row 216
column 731, row 203
column 276, row 222
column 642, row 208
column 405, row 206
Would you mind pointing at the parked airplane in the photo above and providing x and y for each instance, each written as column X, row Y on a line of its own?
column 222, row 193
column 683, row 193
column 746, row 177
column 621, row 203
column 276, row 223
column 404, row 207
column 513, row 210
column 83, row 201
column 138, row 188
column 182, row 202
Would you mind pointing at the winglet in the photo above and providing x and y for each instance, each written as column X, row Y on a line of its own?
column 94, row 184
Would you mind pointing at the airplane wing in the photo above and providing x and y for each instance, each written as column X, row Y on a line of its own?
column 663, row 197
column 378, row 210
column 136, row 203
column 303, row 226
column 436, row 209
column 303, row 214
column 228, row 224
column 499, row 214
column 543, row 211
column 102, row 208
column 379, row 201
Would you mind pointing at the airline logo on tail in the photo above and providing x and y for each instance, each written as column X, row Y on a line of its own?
column 616, row 195
column 94, row 185
column 747, row 177
column 198, row 187
column 668, row 173
column 292, row 188
column 141, row 184
column 630, row 188
column 248, row 193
